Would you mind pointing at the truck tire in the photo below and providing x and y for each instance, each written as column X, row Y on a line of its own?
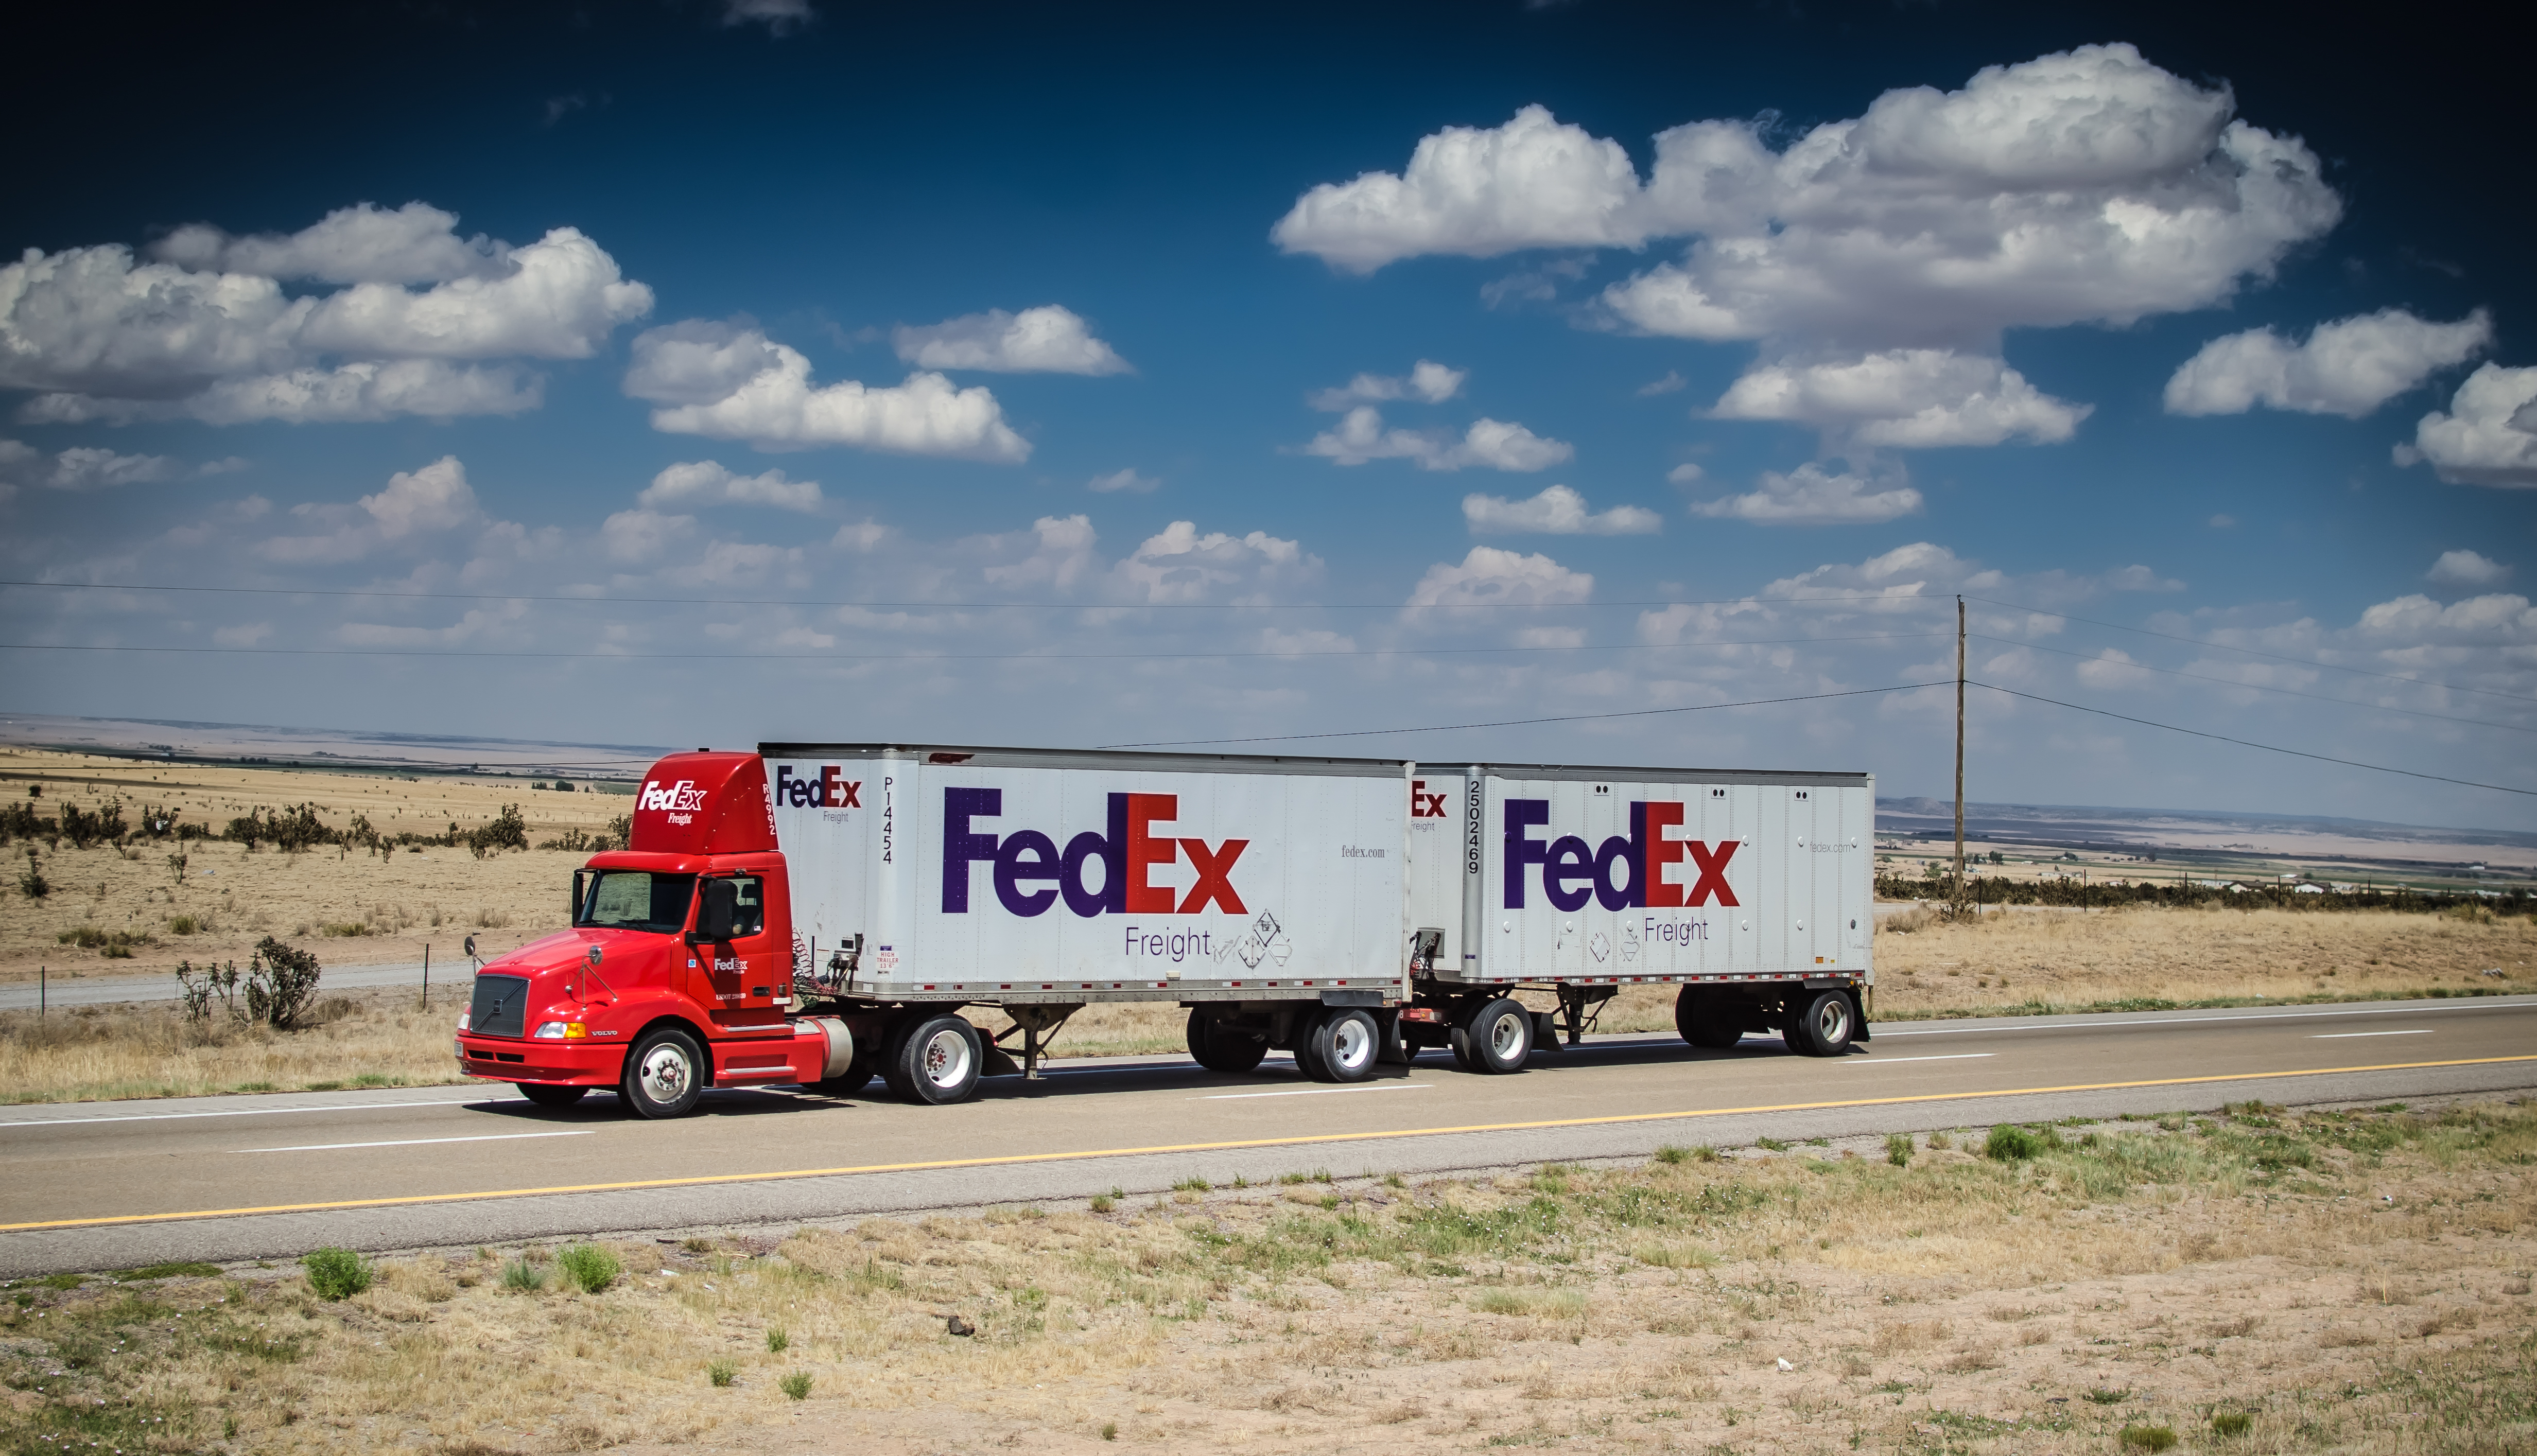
column 1826, row 1027
column 664, row 1074
column 853, row 1080
column 1495, row 1038
column 1341, row 1045
column 1703, row 1022
column 548, row 1094
column 937, row 1060
column 1222, row 1048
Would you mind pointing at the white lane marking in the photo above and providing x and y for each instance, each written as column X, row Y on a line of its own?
column 416, row 1142
column 2082, row 1026
column 1223, row 1096
column 472, row 1102
column 2347, row 1035
column 1887, row 1061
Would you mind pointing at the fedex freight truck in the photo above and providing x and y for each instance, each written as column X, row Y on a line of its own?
column 822, row 914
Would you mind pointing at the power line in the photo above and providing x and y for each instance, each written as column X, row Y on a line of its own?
column 2251, row 743
column 950, row 606
column 1448, row 728
column 971, row 657
column 2260, row 687
column 2256, row 651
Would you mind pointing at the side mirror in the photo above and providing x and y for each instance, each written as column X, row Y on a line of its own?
column 718, row 912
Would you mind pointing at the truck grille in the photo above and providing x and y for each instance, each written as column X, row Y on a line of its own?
column 500, row 1006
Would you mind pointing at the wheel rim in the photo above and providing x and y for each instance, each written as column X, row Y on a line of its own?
column 1831, row 1021
column 1507, row 1036
column 1351, row 1045
column 664, row 1075
column 947, row 1058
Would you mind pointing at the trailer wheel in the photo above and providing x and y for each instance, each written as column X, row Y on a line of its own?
column 1704, row 1023
column 1341, row 1045
column 1222, row 1048
column 1495, row 1039
column 1826, row 1027
column 938, row 1060
column 664, row 1075
column 548, row 1094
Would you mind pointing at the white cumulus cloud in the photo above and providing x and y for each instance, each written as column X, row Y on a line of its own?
column 1911, row 398
column 706, row 482
column 416, row 243
column 2468, row 569
column 207, row 331
column 1556, row 511
column 2489, row 435
column 1493, row 444
column 80, row 468
column 415, row 504
column 1810, row 497
column 1535, row 182
column 1487, row 576
column 1181, row 563
column 1128, row 480
column 1048, row 340
column 1428, row 382
column 2348, row 367
column 728, row 380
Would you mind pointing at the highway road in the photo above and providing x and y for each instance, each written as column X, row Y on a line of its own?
column 101, row 1185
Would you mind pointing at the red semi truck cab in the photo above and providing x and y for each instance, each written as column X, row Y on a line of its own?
column 678, row 971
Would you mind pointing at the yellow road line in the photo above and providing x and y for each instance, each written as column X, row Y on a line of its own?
column 1215, row 1147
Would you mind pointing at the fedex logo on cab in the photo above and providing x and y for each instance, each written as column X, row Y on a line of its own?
column 1622, row 874
column 1127, row 849
column 680, row 800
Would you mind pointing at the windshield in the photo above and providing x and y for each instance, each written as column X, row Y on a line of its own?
column 638, row 899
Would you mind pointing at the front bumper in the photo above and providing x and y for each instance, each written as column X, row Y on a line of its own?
column 577, row 1062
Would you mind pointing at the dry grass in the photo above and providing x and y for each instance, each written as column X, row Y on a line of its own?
column 363, row 908
column 362, row 1039
column 2238, row 1264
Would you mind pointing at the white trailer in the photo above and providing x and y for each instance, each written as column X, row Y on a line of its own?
column 1352, row 910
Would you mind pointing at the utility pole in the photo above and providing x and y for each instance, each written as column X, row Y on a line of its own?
column 1958, row 906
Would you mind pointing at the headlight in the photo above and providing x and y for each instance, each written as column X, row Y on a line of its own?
column 560, row 1030
column 462, row 1019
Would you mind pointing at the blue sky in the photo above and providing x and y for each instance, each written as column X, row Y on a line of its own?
column 1137, row 376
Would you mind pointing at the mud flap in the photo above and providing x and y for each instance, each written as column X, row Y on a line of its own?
column 995, row 1061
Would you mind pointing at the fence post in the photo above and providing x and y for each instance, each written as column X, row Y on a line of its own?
column 43, row 991
column 427, row 976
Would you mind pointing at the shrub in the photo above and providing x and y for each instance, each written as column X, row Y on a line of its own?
column 1898, row 1149
column 589, row 1265
column 508, row 831
column 576, row 841
column 722, row 1372
column 184, row 925
column 2149, row 1437
column 215, row 980
column 337, row 1273
column 85, row 828
column 33, row 883
column 281, row 981
column 778, row 1340
column 797, row 1384
column 18, row 821
column 2231, row 1423
column 521, row 1275
column 2009, row 1143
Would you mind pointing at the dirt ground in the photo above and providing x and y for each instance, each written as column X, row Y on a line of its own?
column 2265, row 1281
column 360, row 909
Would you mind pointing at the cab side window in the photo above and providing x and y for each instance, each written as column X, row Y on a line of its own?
column 750, row 911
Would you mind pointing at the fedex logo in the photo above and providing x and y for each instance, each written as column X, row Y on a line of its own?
column 1425, row 805
column 1567, row 861
column 832, row 790
column 1127, row 853
column 681, row 797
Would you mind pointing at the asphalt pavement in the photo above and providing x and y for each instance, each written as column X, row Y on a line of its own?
column 101, row 1185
